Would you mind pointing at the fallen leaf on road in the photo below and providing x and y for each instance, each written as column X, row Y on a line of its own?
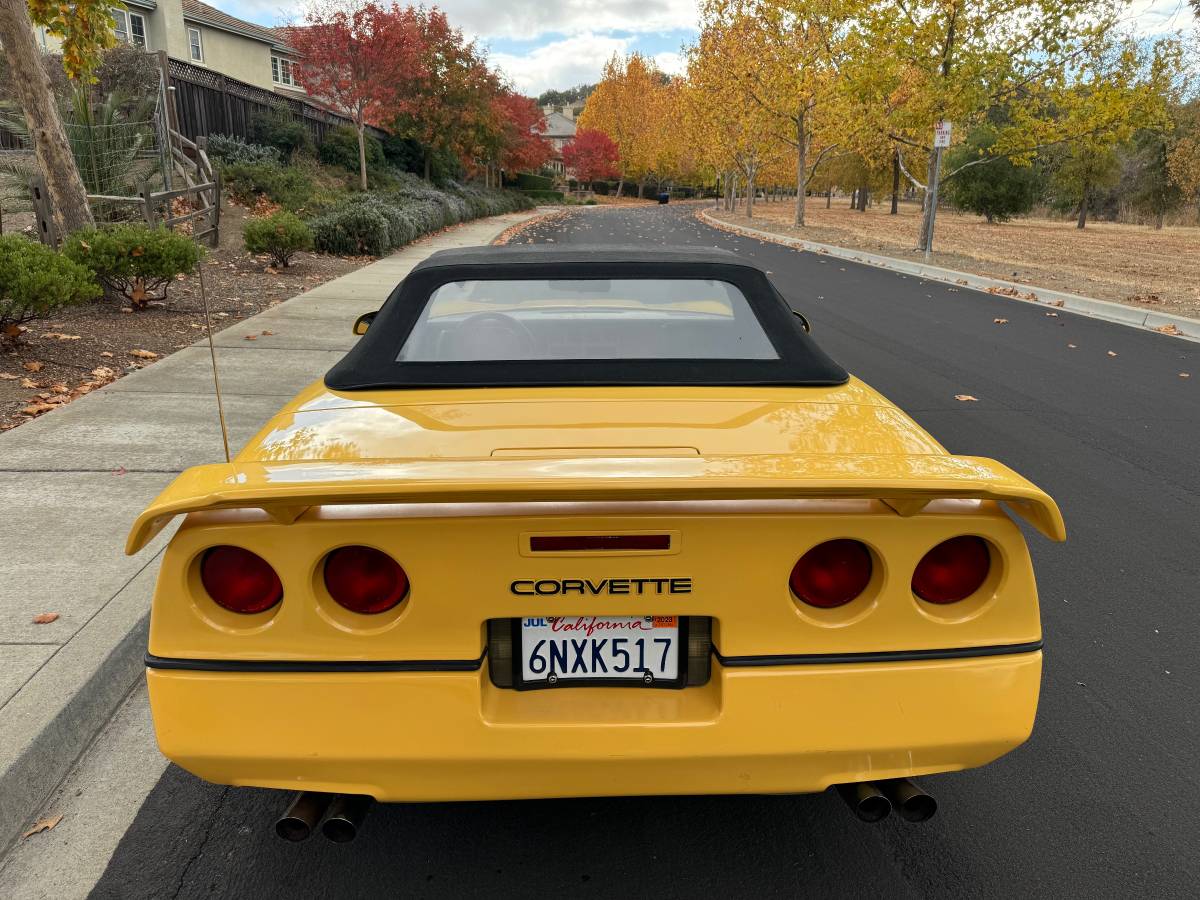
column 1000, row 321
column 43, row 825
column 45, row 618
column 60, row 388
column 268, row 333
column 1168, row 329
column 1110, row 353
column 104, row 372
column 1185, row 374
column 1052, row 315
column 32, row 366
column 251, row 337
column 143, row 354
column 36, row 409
column 29, row 383
column 1073, row 346
column 58, row 335
column 8, row 376
column 271, row 270
column 106, row 354
column 963, row 398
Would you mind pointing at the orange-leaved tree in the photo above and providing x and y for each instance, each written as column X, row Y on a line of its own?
column 591, row 155
column 361, row 61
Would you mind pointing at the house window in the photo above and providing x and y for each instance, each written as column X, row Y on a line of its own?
column 130, row 28
column 281, row 71
column 194, row 46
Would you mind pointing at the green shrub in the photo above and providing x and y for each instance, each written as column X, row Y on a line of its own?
column 340, row 148
column 282, row 235
column 600, row 187
column 35, row 282
column 133, row 261
column 355, row 229
column 553, row 196
column 285, row 185
column 529, row 182
column 229, row 150
column 279, row 129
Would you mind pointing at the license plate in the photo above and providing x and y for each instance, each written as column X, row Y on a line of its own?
column 597, row 650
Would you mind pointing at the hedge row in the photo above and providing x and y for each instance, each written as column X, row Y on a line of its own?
column 378, row 222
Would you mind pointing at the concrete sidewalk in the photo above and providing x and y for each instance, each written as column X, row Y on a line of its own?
column 74, row 480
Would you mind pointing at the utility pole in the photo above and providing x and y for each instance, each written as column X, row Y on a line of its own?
column 941, row 140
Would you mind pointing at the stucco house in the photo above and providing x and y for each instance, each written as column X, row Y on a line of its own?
column 558, row 127
column 202, row 35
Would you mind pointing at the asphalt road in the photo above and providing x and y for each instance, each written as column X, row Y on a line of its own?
column 1102, row 801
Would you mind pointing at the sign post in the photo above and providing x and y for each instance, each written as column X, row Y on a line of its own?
column 941, row 140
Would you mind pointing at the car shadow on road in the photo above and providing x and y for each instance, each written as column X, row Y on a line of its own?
column 193, row 839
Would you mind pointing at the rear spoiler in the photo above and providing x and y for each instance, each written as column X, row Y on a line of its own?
column 284, row 490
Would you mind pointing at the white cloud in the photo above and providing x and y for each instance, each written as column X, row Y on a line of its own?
column 530, row 19
column 671, row 63
column 559, row 64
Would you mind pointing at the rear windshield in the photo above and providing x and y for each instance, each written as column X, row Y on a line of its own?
column 586, row 319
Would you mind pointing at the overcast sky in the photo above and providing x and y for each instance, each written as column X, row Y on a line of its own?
column 543, row 44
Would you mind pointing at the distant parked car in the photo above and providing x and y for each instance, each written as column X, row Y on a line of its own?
column 664, row 197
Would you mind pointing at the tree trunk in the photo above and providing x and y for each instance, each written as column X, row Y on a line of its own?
column 801, row 164
column 750, row 195
column 863, row 194
column 50, row 145
column 641, row 187
column 362, row 152
column 1082, row 220
column 1159, row 219
column 895, row 182
column 829, row 197
column 620, row 186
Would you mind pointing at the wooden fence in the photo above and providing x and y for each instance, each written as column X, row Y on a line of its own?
column 207, row 102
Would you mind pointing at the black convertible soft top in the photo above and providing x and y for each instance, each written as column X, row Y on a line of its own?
column 372, row 363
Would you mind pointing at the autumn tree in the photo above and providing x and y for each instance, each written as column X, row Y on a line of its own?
column 591, row 155
column 86, row 30
column 784, row 57
column 621, row 106
column 445, row 108
column 359, row 60
column 922, row 61
column 512, row 137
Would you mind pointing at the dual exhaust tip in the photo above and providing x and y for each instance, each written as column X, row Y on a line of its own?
column 873, row 801
column 343, row 815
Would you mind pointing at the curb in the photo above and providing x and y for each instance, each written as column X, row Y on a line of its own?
column 1117, row 313
column 53, row 719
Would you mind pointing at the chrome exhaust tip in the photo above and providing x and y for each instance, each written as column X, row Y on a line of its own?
column 865, row 800
column 302, row 815
column 912, row 804
column 346, row 817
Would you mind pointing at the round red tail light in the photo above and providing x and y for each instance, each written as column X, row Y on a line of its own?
column 240, row 581
column 832, row 574
column 364, row 580
column 953, row 570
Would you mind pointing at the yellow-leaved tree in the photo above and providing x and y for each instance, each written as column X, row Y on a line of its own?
column 621, row 106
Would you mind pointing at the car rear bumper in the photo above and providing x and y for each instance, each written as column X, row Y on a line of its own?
column 431, row 736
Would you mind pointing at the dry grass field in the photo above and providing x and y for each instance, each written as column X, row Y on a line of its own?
column 1130, row 264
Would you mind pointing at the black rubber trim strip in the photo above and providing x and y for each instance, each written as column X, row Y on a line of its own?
column 816, row 659
column 287, row 665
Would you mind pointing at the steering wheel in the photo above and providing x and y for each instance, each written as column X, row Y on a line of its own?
column 480, row 324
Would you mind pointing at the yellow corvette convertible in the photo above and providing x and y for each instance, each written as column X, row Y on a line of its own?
column 591, row 523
